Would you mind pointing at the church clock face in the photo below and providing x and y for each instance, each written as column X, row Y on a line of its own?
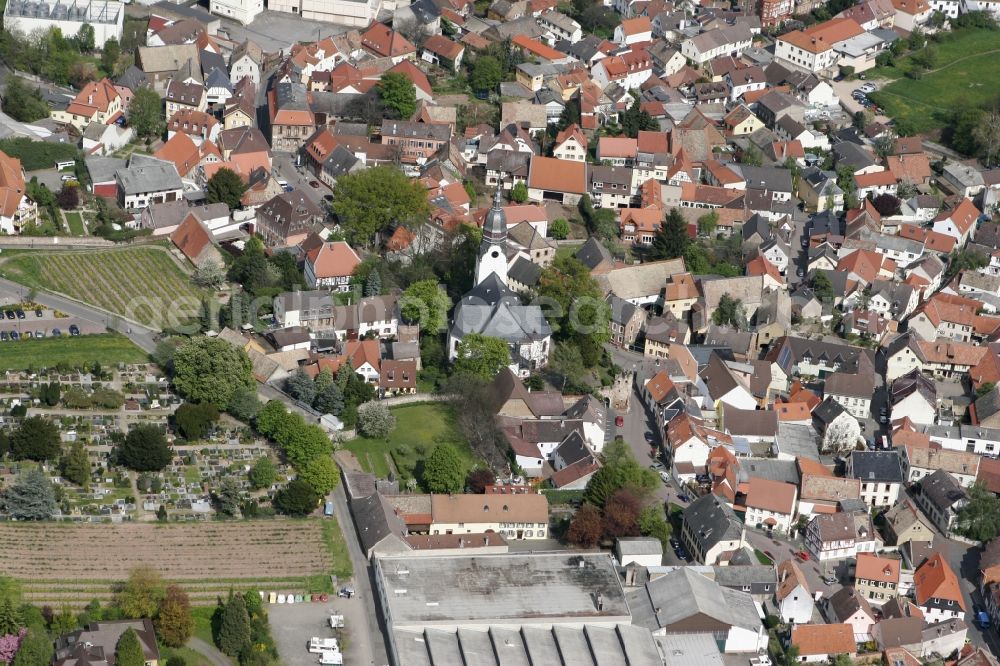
column 495, row 254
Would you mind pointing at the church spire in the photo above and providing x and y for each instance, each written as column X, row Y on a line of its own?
column 493, row 249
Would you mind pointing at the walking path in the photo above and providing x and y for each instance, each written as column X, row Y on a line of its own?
column 209, row 651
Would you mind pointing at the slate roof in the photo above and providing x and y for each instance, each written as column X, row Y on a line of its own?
column 881, row 466
column 711, row 520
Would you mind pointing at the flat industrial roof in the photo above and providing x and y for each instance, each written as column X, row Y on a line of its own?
column 483, row 589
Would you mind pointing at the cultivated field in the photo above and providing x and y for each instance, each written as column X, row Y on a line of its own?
column 141, row 283
column 964, row 75
column 73, row 564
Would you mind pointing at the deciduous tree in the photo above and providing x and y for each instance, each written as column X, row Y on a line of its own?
column 212, row 370
column 367, row 201
column 263, row 474
column 619, row 471
column 621, row 514
column 486, row 74
column 398, row 94
column 35, row 650
column 375, row 420
column 322, row 474
column 174, row 624
column 730, row 312
column 142, row 593
column 145, row 113
column 443, row 472
column 481, row 356
column 559, row 229
column 22, row 102
column 479, row 478
column 109, row 56
column 427, row 304
column 586, row 527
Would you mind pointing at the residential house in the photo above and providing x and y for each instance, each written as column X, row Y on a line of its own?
column 880, row 473
column 812, row 49
column 417, row 141
column 441, row 51
column 959, row 223
column 97, row 643
column 146, row 181
column 838, row 535
column 287, row 219
column 903, row 524
column 853, row 391
column 518, row 516
column 937, row 591
column 331, row 265
column 292, row 120
column 941, row 498
column 724, row 40
column 97, row 102
column 822, row 642
column 852, row 611
column 626, row 322
column 792, row 596
column 770, row 505
column 711, row 531
column 571, row 144
column 876, row 578
column 821, row 493
column 920, row 462
column 17, row 209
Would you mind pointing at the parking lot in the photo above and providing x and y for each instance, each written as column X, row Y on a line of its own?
column 844, row 89
column 47, row 324
column 292, row 625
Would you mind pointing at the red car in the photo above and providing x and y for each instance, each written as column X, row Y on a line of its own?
column 802, row 555
column 619, row 421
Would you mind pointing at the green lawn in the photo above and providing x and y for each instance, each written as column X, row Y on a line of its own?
column 762, row 558
column 965, row 74
column 202, row 616
column 76, row 224
column 142, row 283
column 419, row 428
column 106, row 348
column 568, row 249
column 190, row 657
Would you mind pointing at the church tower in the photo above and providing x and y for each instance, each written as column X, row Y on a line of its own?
column 492, row 251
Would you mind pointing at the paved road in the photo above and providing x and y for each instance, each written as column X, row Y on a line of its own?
column 371, row 639
column 209, row 651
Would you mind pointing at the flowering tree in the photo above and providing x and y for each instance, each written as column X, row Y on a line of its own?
column 9, row 645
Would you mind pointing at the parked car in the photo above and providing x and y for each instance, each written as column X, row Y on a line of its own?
column 867, row 88
column 14, row 335
column 650, row 437
column 657, row 466
column 74, row 329
column 10, row 314
column 39, row 334
column 20, row 314
column 760, row 660
column 664, row 477
column 38, row 312
column 682, row 497
column 56, row 333
column 28, row 335
column 4, row 335
column 803, row 555
column 619, row 421
column 830, row 579
column 346, row 592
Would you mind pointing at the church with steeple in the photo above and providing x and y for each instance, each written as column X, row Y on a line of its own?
column 491, row 308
